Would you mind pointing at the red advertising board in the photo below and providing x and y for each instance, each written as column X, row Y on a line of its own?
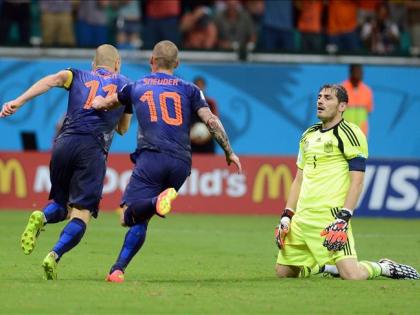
column 211, row 188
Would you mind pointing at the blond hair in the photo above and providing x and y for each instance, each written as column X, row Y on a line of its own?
column 165, row 54
column 106, row 55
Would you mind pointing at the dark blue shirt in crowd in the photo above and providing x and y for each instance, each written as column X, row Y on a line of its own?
column 164, row 105
column 80, row 117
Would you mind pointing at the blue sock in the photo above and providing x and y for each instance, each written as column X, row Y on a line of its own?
column 70, row 236
column 142, row 209
column 54, row 212
column 133, row 241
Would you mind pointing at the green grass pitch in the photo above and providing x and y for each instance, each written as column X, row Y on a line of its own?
column 199, row 264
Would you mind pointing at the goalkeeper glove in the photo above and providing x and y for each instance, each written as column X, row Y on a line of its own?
column 283, row 228
column 336, row 233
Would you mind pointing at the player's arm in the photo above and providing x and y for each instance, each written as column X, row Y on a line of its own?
column 124, row 122
column 355, row 189
column 115, row 100
column 59, row 79
column 283, row 228
column 218, row 133
column 356, row 153
column 295, row 190
column 106, row 103
column 336, row 233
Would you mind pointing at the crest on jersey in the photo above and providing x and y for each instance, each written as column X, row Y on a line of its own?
column 328, row 146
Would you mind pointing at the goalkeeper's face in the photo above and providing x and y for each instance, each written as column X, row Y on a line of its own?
column 328, row 106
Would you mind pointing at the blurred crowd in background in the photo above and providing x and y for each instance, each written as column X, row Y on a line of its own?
column 390, row 27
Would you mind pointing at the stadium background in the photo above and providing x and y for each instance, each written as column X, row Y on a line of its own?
column 266, row 99
column 264, row 107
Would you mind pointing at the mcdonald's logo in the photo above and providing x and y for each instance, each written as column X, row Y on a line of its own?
column 273, row 177
column 9, row 170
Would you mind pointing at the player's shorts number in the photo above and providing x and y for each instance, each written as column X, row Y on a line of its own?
column 93, row 86
column 163, row 97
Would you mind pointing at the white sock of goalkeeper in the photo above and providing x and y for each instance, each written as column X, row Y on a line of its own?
column 332, row 269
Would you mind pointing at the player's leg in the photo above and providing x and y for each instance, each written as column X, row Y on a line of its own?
column 133, row 241
column 61, row 172
column 52, row 213
column 351, row 269
column 70, row 236
column 136, row 212
column 344, row 262
column 153, row 185
column 144, row 208
column 55, row 211
column 87, row 169
column 284, row 271
column 295, row 259
column 153, row 172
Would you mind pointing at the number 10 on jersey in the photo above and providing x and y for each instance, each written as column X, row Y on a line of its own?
column 163, row 97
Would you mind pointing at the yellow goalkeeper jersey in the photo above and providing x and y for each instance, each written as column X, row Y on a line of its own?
column 323, row 156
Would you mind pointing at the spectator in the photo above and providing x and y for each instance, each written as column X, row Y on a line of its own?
column 92, row 24
column 413, row 16
column 310, row 24
column 277, row 28
column 367, row 11
column 381, row 35
column 235, row 27
column 342, row 25
column 57, row 23
column 256, row 9
column 398, row 13
column 197, row 146
column 128, row 25
column 161, row 22
column 198, row 28
column 19, row 12
column 360, row 103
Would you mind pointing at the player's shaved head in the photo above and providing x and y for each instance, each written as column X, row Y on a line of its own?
column 106, row 56
column 165, row 55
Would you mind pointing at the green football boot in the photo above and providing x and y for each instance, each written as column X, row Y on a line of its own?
column 31, row 232
column 50, row 266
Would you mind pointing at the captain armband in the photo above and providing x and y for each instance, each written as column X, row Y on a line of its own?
column 357, row 164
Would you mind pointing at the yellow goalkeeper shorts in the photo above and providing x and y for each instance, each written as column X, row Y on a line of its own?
column 303, row 246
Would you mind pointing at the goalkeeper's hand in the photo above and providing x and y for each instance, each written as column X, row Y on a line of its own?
column 336, row 233
column 283, row 228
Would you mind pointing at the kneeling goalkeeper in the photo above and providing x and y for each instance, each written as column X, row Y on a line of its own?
column 315, row 228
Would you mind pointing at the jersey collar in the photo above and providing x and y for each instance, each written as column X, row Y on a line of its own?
column 102, row 71
column 325, row 130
